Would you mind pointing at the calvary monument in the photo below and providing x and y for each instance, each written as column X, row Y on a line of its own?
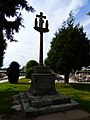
column 43, row 82
column 42, row 97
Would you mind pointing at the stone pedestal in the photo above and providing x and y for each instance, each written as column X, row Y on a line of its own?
column 41, row 69
column 42, row 97
column 43, row 82
column 45, row 104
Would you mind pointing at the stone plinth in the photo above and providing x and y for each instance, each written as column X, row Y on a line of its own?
column 43, row 82
column 41, row 69
column 47, row 100
column 39, row 105
column 42, row 97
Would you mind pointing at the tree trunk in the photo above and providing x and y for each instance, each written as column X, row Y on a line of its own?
column 67, row 76
column 2, row 47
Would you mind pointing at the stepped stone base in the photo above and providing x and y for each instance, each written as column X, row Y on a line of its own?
column 42, row 97
column 38, row 105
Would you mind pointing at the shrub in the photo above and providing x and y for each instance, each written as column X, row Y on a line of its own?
column 13, row 72
column 28, row 72
column 29, row 68
column 31, row 64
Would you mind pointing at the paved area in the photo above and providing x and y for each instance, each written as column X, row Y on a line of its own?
column 2, row 81
column 76, row 114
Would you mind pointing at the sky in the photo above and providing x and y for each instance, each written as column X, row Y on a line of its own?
column 56, row 11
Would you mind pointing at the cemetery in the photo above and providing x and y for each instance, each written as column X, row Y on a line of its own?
column 45, row 94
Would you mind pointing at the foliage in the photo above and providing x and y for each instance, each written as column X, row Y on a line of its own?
column 10, row 9
column 31, row 64
column 22, row 69
column 2, row 47
column 29, row 68
column 13, row 72
column 69, row 49
column 28, row 72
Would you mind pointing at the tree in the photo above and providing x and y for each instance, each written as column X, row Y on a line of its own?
column 10, row 9
column 29, row 68
column 69, row 49
column 13, row 72
column 2, row 47
column 31, row 64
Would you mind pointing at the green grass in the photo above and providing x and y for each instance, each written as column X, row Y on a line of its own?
column 78, row 92
column 7, row 90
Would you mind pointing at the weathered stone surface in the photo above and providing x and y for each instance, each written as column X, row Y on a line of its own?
column 42, row 105
column 45, row 100
column 43, row 84
column 41, row 69
column 16, row 99
column 17, row 107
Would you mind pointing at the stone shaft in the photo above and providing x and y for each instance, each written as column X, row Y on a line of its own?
column 41, row 50
column 42, row 30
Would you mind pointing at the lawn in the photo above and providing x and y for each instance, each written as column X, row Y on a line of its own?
column 78, row 92
column 7, row 90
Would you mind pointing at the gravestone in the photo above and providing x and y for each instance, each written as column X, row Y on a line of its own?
column 42, row 97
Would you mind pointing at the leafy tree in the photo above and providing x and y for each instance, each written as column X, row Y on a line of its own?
column 28, row 72
column 31, row 64
column 2, row 47
column 10, row 9
column 69, row 49
column 29, row 68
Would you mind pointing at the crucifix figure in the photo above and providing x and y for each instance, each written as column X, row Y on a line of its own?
column 39, row 27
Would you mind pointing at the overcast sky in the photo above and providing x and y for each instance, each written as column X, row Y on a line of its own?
column 27, row 47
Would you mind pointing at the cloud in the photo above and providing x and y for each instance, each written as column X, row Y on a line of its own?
column 28, row 46
column 86, row 22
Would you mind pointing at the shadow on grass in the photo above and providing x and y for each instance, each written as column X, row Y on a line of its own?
column 7, row 90
column 6, row 101
column 85, row 104
column 82, row 86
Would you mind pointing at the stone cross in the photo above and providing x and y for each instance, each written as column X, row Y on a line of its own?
column 39, row 27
